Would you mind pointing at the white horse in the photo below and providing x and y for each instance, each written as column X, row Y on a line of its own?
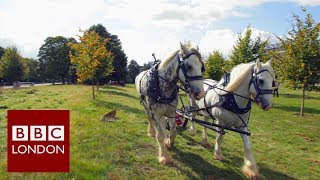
column 159, row 93
column 246, row 80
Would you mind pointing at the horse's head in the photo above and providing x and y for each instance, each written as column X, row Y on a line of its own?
column 190, row 71
column 261, row 84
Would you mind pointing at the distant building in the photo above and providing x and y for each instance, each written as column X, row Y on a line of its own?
column 275, row 47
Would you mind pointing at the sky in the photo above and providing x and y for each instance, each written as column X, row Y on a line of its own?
column 149, row 26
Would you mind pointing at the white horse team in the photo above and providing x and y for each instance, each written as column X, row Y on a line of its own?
column 233, row 100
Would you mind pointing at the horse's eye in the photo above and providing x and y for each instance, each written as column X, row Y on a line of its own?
column 261, row 81
column 189, row 67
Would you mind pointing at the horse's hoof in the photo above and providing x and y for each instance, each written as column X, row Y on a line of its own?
column 151, row 135
column 164, row 160
column 206, row 144
column 251, row 172
column 192, row 132
column 168, row 144
column 218, row 157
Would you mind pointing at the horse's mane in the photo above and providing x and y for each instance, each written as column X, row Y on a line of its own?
column 165, row 62
column 241, row 71
column 238, row 75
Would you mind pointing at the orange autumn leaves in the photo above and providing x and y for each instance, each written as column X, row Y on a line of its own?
column 90, row 55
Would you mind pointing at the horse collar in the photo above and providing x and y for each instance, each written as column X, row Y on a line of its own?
column 154, row 90
column 229, row 103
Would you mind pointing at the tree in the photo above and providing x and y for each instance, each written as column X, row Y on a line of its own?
column 133, row 70
column 119, row 57
column 33, row 70
column 54, row 58
column 1, row 51
column 146, row 66
column 299, row 64
column 12, row 67
column 89, row 55
column 247, row 50
column 215, row 65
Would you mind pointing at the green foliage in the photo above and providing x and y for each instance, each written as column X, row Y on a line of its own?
column 133, row 70
column 91, row 56
column 119, row 62
column 146, row 66
column 299, row 64
column 54, row 58
column 247, row 50
column 215, row 66
column 1, row 51
column 33, row 69
column 12, row 66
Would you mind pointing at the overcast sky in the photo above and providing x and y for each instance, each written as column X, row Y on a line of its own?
column 147, row 26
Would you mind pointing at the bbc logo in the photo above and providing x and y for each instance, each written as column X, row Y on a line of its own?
column 38, row 141
column 37, row 133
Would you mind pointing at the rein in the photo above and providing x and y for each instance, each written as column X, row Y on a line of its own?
column 153, row 89
column 255, row 81
column 230, row 97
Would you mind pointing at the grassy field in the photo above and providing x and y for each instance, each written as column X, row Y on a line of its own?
column 285, row 146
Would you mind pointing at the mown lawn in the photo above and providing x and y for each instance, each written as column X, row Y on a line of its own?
column 285, row 145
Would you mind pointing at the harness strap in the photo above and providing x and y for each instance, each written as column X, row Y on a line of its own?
column 154, row 90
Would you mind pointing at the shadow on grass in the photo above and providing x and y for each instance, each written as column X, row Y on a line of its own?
column 113, row 88
column 297, row 96
column 206, row 170
column 117, row 93
column 296, row 109
column 201, row 167
column 268, row 173
column 118, row 106
column 264, row 170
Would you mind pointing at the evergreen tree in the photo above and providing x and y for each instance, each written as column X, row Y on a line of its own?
column 215, row 66
column 247, row 50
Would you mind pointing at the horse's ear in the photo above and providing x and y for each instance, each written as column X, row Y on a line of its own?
column 183, row 49
column 269, row 62
column 258, row 64
column 197, row 48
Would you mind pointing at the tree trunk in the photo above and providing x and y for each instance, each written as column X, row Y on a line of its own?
column 302, row 102
column 98, row 84
column 93, row 95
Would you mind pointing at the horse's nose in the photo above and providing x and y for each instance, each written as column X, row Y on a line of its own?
column 266, row 107
column 198, row 94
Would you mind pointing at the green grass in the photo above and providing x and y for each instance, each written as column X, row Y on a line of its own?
column 285, row 145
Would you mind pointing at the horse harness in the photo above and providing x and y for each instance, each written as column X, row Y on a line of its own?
column 153, row 82
column 228, row 102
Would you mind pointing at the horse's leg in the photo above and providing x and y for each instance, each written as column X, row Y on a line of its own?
column 250, row 168
column 192, row 130
column 173, row 132
column 164, row 156
column 205, row 143
column 151, row 128
column 217, row 148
